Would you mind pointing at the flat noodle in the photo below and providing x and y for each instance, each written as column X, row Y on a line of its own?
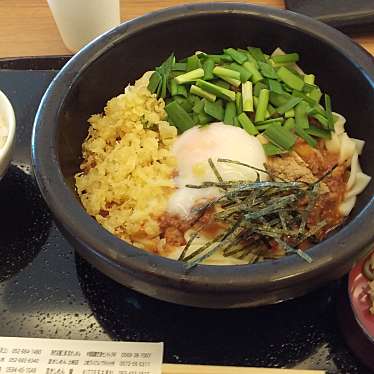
column 333, row 144
column 359, row 145
column 362, row 180
column 347, row 205
column 355, row 168
column 339, row 124
column 347, row 148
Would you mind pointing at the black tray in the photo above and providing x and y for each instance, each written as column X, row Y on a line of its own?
column 47, row 291
column 346, row 15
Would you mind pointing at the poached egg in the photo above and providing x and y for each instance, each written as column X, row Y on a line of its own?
column 192, row 151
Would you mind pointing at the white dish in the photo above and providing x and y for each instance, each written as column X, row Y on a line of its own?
column 8, row 119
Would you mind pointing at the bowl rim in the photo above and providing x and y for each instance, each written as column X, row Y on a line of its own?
column 61, row 200
column 10, row 120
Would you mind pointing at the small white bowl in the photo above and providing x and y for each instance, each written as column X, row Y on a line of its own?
column 8, row 117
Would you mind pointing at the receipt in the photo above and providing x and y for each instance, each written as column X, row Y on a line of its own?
column 58, row 356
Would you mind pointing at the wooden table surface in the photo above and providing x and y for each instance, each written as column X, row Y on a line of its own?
column 27, row 27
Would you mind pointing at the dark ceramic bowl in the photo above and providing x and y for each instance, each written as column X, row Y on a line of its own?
column 102, row 69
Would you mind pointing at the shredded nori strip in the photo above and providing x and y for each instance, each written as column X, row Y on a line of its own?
column 259, row 216
column 215, row 171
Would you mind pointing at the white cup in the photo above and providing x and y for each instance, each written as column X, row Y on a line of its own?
column 80, row 21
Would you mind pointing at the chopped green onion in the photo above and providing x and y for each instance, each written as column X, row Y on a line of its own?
column 302, row 124
column 258, row 87
column 255, row 103
column 275, row 86
column 238, row 102
column 192, row 98
column 174, row 74
column 249, row 57
column 180, row 118
column 230, row 113
column 166, row 66
column 181, row 90
column 319, row 133
column 179, row 66
column 215, row 110
column 309, row 79
column 184, row 103
column 272, row 150
column 220, row 58
column 193, row 63
column 191, row 76
column 294, row 70
column 263, row 101
column 291, row 79
column 200, row 92
column 237, row 56
column 247, row 124
column 232, row 81
column 301, row 115
column 317, row 109
column 271, row 110
column 244, row 73
column 158, row 89
column 226, row 73
column 289, row 124
column 154, row 81
column 286, row 58
column 315, row 94
column 292, row 102
column 198, row 107
column 208, row 66
column 321, row 119
column 255, row 74
column 195, row 119
column 308, row 87
column 205, row 118
column 161, row 89
column 247, row 97
column 221, row 83
column 279, row 99
column 267, row 70
column 266, row 126
column 304, row 135
column 290, row 113
column 270, row 121
column 257, row 54
column 280, row 136
column 330, row 119
column 287, row 88
column 267, row 86
column 173, row 87
column 216, row 90
column 306, row 98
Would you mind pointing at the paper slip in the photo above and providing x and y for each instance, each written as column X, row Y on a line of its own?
column 58, row 356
